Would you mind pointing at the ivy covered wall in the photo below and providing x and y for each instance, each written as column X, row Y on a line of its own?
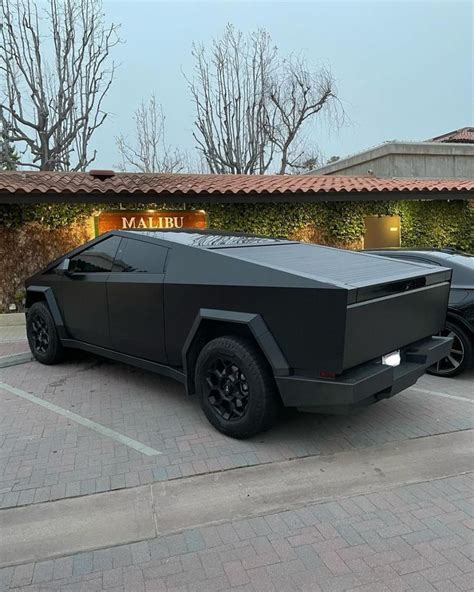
column 30, row 236
column 423, row 223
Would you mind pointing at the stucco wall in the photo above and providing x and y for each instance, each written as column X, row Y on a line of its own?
column 397, row 159
column 422, row 166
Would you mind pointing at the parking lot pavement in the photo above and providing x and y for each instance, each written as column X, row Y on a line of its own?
column 90, row 425
column 13, row 340
column 461, row 386
column 415, row 537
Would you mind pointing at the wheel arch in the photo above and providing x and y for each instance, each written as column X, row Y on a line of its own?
column 211, row 323
column 45, row 294
column 454, row 317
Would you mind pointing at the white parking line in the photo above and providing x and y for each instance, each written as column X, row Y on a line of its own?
column 92, row 425
column 445, row 395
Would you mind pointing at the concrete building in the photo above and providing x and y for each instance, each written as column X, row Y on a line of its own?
column 450, row 156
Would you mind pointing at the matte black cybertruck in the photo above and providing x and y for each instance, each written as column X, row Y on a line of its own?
column 248, row 323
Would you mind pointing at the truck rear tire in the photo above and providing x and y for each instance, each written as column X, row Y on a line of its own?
column 236, row 387
column 42, row 335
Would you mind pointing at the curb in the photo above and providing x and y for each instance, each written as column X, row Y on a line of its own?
column 12, row 319
column 15, row 359
column 47, row 530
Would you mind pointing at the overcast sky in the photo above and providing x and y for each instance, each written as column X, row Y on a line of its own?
column 404, row 69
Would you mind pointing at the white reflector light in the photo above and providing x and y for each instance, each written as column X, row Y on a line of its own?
column 392, row 359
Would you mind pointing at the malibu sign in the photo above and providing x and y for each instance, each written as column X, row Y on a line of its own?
column 149, row 220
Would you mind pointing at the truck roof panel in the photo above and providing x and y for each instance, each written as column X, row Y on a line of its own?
column 210, row 239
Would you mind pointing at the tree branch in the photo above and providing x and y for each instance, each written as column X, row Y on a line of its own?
column 53, row 106
column 149, row 153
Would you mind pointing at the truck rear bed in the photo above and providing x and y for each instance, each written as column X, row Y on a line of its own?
column 389, row 303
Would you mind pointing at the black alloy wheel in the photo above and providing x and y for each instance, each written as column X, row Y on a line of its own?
column 39, row 334
column 228, row 390
column 236, row 387
column 42, row 334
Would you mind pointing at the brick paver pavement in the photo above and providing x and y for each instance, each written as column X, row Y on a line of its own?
column 412, row 538
column 45, row 456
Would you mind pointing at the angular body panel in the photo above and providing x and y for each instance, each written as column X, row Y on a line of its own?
column 307, row 337
column 135, row 312
column 83, row 305
column 395, row 321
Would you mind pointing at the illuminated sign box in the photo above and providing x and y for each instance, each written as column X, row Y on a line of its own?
column 382, row 231
column 149, row 220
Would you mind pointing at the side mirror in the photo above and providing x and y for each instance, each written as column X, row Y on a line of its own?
column 63, row 267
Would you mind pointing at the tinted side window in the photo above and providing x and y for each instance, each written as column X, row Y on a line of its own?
column 96, row 259
column 140, row 257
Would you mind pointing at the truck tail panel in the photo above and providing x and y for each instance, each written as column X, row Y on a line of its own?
column 378, row 326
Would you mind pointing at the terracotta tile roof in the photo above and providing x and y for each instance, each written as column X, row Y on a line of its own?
column 465, row 135
column 58, row 185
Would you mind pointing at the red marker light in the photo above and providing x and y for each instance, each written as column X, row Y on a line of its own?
column 325, row 374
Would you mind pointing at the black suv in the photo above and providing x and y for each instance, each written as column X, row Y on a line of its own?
column 460, row 318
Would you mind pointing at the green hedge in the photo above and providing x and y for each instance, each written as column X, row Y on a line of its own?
column 50, row 215
column 424, row 223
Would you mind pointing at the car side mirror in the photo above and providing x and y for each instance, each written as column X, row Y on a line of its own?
column 63, row 267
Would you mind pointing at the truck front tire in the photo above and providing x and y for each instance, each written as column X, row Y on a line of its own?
column 42, row 335
column 236, row 388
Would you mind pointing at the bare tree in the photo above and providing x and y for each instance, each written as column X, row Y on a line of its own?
column 307, row 162
column 253, row 107
column 298, row 95
column 229, row 92
column 54, row 78
column 149, row 152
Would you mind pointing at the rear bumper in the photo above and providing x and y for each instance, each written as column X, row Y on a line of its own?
column 365, row 384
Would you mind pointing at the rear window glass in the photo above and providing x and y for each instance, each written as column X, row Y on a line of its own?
column 136, row 256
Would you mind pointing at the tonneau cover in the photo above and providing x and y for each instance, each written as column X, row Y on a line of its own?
column 335, row 266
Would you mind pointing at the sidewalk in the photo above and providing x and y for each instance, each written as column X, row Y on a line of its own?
column 13, row 344
column 410, row 538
